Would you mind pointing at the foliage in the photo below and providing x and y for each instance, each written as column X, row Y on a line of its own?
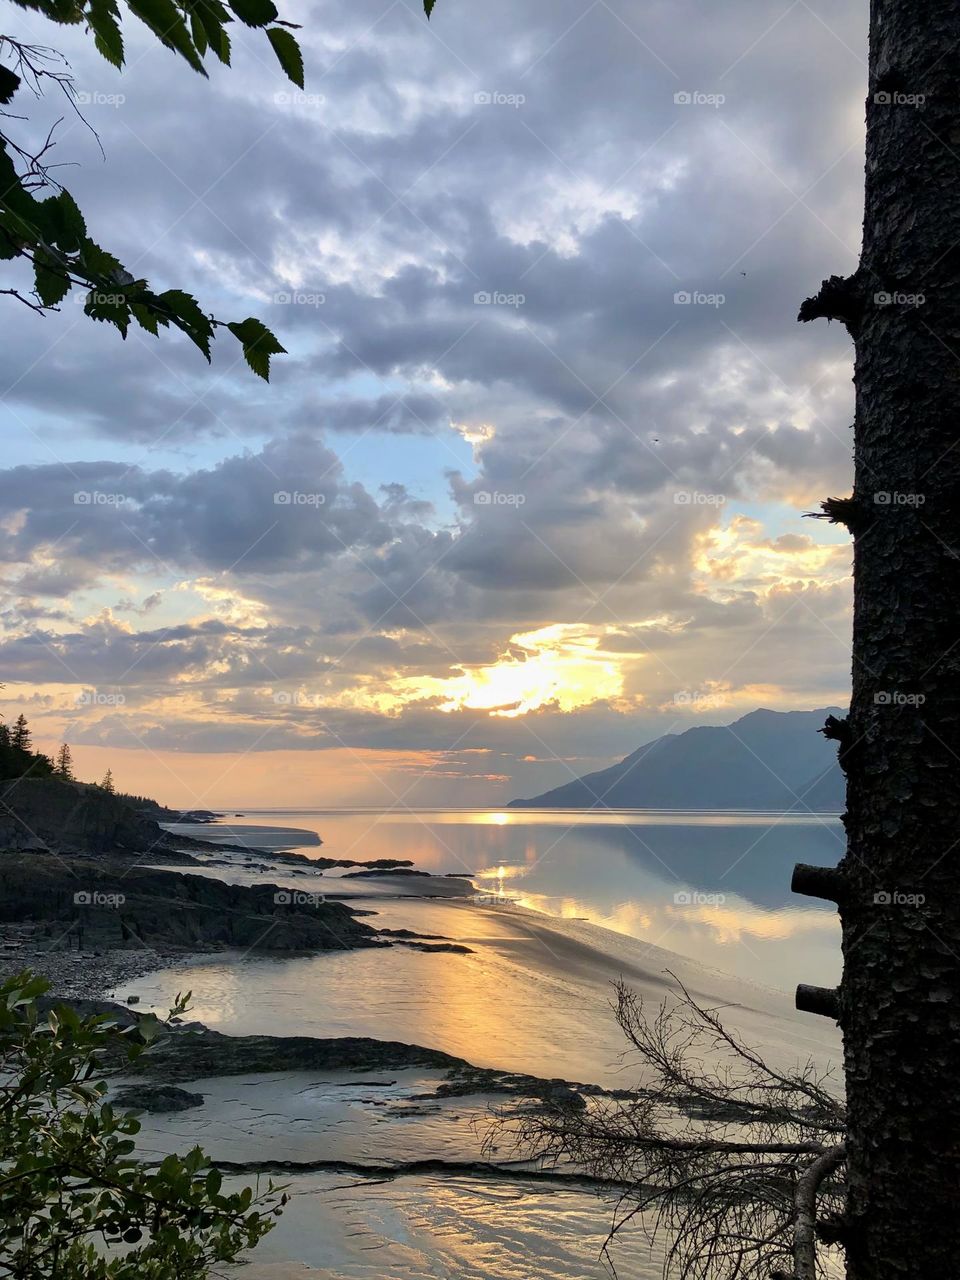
column 17, row 758
column 64, row 766
column 74, row 1200
column 40, row 221
column 21, row 737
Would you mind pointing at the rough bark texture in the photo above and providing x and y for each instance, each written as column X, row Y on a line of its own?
column 900, row 908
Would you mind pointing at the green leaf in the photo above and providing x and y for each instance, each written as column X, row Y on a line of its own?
column 9, row 84
column 184, row 312
column 103, row 19
column 255, row 13
column 199, row 34
column 166, row 22
column 52, row 285
column 259, row 344
column 146, row 318
column 110, row 308
column 96, row 262
column 68, row 227
column 207, row 21
column 288, row 52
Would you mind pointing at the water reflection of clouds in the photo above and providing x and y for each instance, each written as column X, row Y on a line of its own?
column 727, row 924
column 712, row 886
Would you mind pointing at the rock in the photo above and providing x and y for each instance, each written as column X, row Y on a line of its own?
column 455, row 948
column 48, row 813
column 384, row 874
column 157, row 1098
column 110, row 904
column 208, row 1053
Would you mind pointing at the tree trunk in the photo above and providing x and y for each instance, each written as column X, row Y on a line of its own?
column 899, row 1001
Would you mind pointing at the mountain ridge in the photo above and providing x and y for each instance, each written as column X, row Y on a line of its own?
column 769, row 760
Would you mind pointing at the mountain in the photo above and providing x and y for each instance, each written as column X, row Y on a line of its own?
column 771, row 760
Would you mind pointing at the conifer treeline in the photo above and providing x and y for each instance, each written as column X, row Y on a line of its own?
column 19, row 760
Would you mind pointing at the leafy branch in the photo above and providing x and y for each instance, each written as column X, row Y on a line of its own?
column 74, row 1198
column 41, row 223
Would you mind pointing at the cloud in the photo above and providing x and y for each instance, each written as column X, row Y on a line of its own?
column 545, row 381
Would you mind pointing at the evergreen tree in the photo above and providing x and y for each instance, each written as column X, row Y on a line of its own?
column 20, row 738
column 64, row 766
column 107, row 784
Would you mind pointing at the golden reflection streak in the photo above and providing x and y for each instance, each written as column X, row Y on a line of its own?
column 728, row 922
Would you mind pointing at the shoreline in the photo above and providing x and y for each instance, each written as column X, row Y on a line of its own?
column 47, row 936
column 364, row 1122
column 82, row 975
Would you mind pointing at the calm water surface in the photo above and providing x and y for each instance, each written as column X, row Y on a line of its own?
column 564, row 905
column 711, row 886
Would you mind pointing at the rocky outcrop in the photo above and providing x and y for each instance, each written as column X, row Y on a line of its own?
column 69, row 817
column 92, row 904
column 195, row 1052
column 156, row 1098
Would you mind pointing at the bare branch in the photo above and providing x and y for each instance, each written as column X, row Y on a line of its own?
column 805, row 1199
column 15, row 293
column 728, row 1156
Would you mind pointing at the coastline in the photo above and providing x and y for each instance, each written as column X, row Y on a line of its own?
column 364, row 1080
column 73, row 975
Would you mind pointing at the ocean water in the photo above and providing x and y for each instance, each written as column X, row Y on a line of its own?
column 561, row 907
column 714, row 887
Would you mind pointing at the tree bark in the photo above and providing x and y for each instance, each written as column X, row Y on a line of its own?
column 900, row 906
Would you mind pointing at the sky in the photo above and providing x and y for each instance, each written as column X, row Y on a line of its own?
column 529, row 488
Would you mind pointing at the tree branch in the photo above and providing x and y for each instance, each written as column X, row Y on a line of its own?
column 805, row 1200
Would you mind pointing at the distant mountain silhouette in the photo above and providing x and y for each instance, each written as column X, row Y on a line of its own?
column 774, row 760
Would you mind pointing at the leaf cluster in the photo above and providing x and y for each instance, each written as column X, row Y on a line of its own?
column 75, row 1200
